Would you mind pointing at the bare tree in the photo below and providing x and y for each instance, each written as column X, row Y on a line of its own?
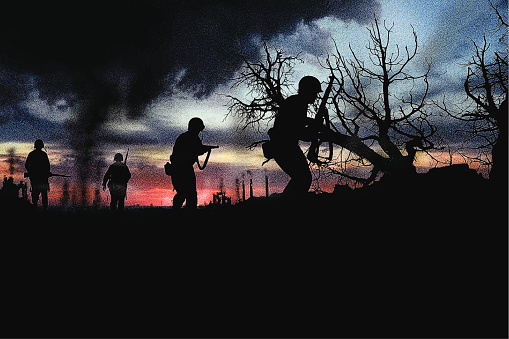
column 376, row 127
column 371, row 111
column 485, row 113
column 269, row 81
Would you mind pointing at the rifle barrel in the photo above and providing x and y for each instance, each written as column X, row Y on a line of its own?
column 27, row 175
column 322, row 116
column 59, row 175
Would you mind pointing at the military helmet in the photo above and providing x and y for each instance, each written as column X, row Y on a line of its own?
column 195, row 124
column 309, row 84
column 118, row 157
column 38, row 144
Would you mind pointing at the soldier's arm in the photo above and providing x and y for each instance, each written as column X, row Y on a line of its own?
column 106, row 177
column 28, row 162
column 47, row 165
column 201, row 148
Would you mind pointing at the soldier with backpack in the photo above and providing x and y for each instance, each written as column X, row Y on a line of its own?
column 116, row 178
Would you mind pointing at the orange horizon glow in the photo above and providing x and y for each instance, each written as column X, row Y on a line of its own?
column 149, row 186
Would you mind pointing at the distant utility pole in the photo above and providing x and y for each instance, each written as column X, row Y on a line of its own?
column 266, row 186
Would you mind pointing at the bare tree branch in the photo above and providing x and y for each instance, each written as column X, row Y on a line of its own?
column 376, row 128
column 484, row 115
column 268, row 81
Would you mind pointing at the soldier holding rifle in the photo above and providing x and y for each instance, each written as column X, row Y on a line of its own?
column 38, row 168
column 37, row 165
column 116, row 177
column 186, row 150
column 291, row 125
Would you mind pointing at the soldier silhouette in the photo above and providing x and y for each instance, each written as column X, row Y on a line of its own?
column 116, row 177
column 291, row 125
column 38, row 168
column 186, row 150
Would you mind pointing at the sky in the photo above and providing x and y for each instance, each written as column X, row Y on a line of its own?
column 95, row 78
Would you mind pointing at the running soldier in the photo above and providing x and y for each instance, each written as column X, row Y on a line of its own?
column 291, row 125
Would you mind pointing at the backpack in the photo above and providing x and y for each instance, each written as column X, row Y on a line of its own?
column 268, row 150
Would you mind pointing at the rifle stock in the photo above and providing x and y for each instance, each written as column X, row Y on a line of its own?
column 321, row 116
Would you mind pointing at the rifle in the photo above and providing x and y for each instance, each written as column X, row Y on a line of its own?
column 125, row 163
column 206, row 158
column 321, row 116
column 27, row 175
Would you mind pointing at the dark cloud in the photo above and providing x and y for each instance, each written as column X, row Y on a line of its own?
column 307, row 38
column 22, row 124
column 129, row 50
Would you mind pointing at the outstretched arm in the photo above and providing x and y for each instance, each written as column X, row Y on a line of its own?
column 206, row 148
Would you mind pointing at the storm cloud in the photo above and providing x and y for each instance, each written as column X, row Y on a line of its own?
column 129, row 52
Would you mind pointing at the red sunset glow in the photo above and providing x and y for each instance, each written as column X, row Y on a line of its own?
column 149, row 186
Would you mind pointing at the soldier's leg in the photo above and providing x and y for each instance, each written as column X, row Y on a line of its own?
column 35, row 195
column 192, row 194
column 44, row 196
column 185, row 184
column 178, row 200
column 294, row 163
column 176, row 180
column 121, row 202
column 114, row 201
column 192, row 200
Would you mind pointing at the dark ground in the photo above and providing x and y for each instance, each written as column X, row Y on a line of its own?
column 424, row 258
